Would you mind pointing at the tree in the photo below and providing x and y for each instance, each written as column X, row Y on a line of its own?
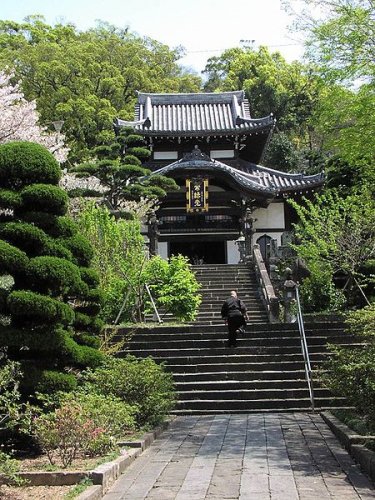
column 340, row 44
column 19, row 120
column 87, row 78
column 288, row 90
column 120, row 171
column 51, row 307
column 339, row 36
column 336, row 238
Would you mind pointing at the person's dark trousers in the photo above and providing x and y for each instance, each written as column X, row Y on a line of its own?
column 234, row 323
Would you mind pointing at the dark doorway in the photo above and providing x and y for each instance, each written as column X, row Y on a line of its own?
column 263, row 243
column 200, row 252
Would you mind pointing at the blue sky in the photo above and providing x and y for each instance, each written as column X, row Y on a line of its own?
column 204, row 27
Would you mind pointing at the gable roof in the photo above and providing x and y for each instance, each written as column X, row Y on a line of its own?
column 196, row 114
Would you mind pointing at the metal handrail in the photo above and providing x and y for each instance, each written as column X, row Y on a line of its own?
column 305, row 350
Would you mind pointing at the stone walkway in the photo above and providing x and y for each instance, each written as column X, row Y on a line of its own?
column 256, row 456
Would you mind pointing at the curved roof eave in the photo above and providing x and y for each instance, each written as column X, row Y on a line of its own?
column 244, row 180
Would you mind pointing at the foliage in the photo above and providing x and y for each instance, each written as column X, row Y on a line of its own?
column 9, row 467
column 340, row 35
column 351, row 370
column 88, row 77
column 138, row 382
column 19, row 119
column 336, row 236
column 25, row 163
column 121, row 173
column 10, row 404
column 108, row 412
column 288, row 90
column 66, row 431
column 174, row 286
column 47, row 288
column 118, row 257
column 340, row 45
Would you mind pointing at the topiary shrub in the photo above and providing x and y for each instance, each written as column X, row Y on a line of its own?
column 12, row 260
column 25, row 163
column 26, row 307
column 26, row 237
column 42, row 197
column 40, row 248
column 53, row 276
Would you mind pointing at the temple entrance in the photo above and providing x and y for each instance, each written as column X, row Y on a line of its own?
column 200, row 252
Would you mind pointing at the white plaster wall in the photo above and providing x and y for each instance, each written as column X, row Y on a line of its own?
column 233, row 255
column 163, row 249
column 271, row 217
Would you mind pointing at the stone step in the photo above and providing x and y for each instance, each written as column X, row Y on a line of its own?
column 244, row 375
column 252, row 394
column 235, row 405
column 234, row 385
column 237, row 367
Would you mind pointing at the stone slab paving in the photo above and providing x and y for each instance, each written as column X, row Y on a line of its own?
column 290, row 456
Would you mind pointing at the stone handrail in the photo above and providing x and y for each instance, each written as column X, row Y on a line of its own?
column 268, row 293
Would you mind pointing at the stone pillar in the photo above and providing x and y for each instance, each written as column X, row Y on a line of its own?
column 289, row 289
column 153, row 234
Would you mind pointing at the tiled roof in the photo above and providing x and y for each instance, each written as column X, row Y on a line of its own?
column 256, row 178
column 196, row 114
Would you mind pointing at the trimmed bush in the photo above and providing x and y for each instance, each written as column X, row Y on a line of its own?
column 36, row 251
column 28, row 306
column 9, row 199
column 24, row 163
column 12, row 260
column 53, row 275
column 37, row 338
column 89, row 276
column 46, row 381
column 89, row 340
column 82, row 355
column 55, row 249
column 80, row 248
column 26, row 237
column 44, row 198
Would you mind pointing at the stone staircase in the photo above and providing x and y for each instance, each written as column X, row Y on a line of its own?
column 217, row 280
column 265, row 372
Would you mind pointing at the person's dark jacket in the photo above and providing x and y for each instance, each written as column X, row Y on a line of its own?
column 233, row 307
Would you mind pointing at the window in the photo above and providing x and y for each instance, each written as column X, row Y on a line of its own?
column 165, row 155
column 222, row 153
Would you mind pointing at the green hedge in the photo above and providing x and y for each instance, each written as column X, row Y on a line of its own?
column 12, row 259
column 24, row 163
column 55, row 249
column 82, row 355
column 89, row 276
column 80, row 248
column 37, row 338
column 46, row 381
column 9, row 199
column 53, row 275
column 26, row 237
column 44, row 198
column 26, row 306
column 88, row 340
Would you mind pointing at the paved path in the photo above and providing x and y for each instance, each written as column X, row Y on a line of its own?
column 256, row 456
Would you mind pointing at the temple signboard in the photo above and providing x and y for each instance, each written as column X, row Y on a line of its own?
column 197, row 195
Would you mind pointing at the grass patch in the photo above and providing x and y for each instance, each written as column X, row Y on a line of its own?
column 78, row 489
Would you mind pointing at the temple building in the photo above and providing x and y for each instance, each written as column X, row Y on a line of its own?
column 227, row 201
